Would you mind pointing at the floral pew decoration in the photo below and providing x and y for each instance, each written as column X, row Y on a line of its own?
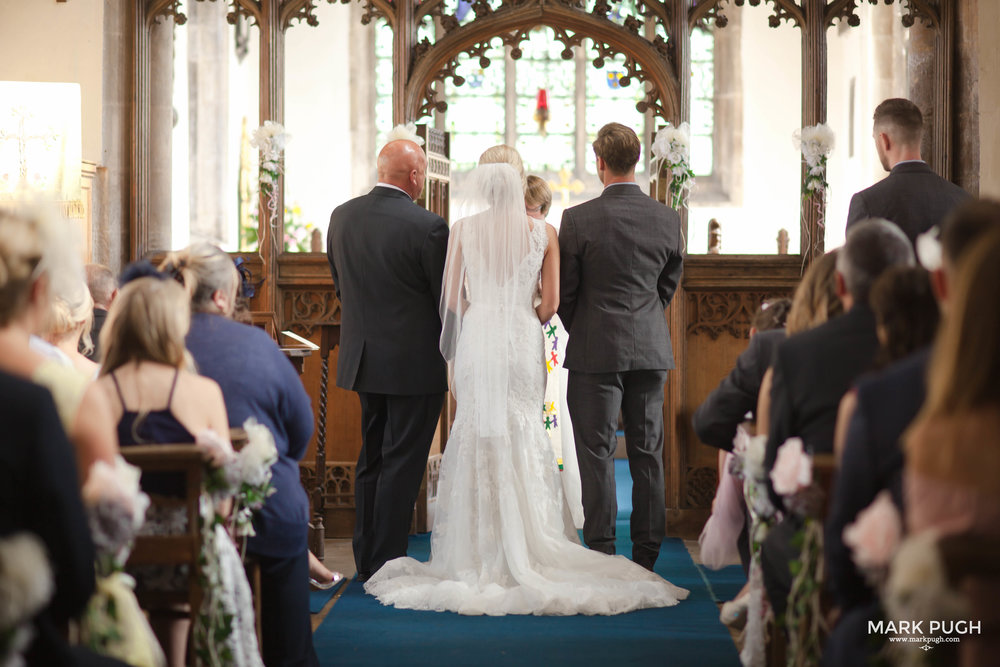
column 804, row 622
column 909, row 572
column 113, row 624
column 26, row 586
column 224, row 634
column 748, row 465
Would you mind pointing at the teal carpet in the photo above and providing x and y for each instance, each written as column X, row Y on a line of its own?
column 318, row 599
column 360, row 631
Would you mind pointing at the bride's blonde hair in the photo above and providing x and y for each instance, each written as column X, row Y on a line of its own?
column 504, row 154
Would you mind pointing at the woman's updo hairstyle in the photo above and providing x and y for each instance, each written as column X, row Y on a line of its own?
column 71, row 311
column 504, row 154
column 21, row 252
column 202, row 268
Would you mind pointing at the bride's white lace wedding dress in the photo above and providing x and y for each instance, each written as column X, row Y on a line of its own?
column 503, row 539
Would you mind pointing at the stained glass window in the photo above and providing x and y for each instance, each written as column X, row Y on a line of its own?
column 544, row 77
column 702, row 101
column 475, row 116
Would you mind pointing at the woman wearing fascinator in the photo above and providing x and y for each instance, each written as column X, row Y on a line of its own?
column 504, row 540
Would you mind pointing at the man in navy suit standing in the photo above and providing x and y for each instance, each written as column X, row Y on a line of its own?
column 912, row 195
column 387, row 257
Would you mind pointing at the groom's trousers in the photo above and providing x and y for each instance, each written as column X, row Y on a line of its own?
column 594, row 400
column 396, row 432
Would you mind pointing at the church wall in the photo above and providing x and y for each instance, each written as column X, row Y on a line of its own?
column 58, row 42
column 318, row 99
column 989, row 99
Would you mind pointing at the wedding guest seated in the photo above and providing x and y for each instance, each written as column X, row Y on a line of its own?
column 814, row 302
column 68, row 327
column 40, row 497
column 157, row 399
column 35, row 264
column 258, row 381
column 872, row 459
column 906, row 319
column 953, row 447
column 814, row 369
column 103, row 288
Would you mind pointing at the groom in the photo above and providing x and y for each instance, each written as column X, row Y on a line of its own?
column 387, row 258
column 620, row 264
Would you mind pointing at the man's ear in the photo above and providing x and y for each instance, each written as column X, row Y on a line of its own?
column 884, row 140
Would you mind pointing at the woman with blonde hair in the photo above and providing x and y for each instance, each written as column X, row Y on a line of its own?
column 258, row 381
column 70, row 319
column 35, row 263
column 157, row 398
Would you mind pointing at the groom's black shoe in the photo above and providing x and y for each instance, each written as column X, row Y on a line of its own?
column 644, row 557
column 363, row 576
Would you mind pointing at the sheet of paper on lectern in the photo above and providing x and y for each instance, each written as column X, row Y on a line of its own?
column 40, row 140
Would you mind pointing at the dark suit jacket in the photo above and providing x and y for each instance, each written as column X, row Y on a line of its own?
column 100, row 315
column 812, row 372
column 620, row 264
column 40, row 494
column 872, row 461
column 716, row 419
column 912, row 196
column 387, row 258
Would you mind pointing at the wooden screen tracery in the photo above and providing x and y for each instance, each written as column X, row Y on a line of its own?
column 709, row 313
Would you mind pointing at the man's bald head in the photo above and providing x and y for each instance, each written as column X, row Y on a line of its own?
column 402, row 163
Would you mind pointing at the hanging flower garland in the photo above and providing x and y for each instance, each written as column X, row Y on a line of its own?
column 270, row 139
column 672, row 147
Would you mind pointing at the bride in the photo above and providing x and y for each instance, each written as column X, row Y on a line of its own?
column 503, row 539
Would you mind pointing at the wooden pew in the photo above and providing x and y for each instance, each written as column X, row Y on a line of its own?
column 171, row 550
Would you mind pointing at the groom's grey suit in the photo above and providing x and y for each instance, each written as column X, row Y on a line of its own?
column 620, row 265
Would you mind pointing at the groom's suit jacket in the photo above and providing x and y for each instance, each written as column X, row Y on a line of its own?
column 620, row 265
column 387, row 258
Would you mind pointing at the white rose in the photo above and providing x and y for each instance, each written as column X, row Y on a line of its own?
column 792, row 469
column 875, row 534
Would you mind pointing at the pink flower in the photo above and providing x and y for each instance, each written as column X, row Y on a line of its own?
column 792, row 470
column 875, row 534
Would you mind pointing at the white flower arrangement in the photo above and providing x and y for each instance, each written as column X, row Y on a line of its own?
column 815, row 142
column 116, row 510
column 270, row 139
column 26, row 586
column 672, row 147
column 792, row 471
column 404, row 132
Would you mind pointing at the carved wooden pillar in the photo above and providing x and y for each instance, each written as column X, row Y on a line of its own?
column 272, row 107
column 814, row 83
column 931, row 57
column 404, row 36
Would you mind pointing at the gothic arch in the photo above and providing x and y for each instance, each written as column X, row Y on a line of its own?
column 646, row 60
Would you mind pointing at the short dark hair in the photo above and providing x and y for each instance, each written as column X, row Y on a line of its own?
column 618, row 146
column 905, row 307
column 772, row 314
column 967, row 224
column 872, row 246
column 900, row 119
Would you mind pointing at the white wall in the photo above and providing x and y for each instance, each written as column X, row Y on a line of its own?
column 60, row 42
column 318, row 95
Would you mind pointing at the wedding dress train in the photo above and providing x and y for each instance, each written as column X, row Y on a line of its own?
column 503, row 539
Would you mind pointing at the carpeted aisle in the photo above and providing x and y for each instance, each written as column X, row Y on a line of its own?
column 360, row 631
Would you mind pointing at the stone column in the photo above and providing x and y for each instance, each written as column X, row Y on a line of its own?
column 921, row 69
column 111, row 188
column 965, row 134
column 161, row 125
